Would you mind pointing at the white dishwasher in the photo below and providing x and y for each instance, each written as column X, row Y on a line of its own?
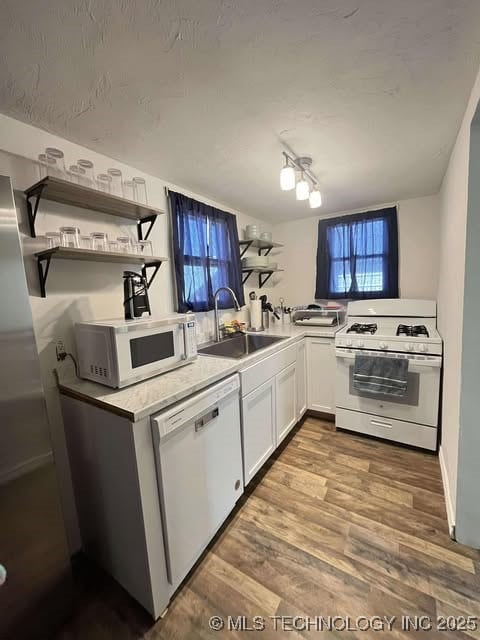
column 198, row 455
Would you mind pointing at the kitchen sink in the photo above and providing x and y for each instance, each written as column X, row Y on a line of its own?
column 239, row 346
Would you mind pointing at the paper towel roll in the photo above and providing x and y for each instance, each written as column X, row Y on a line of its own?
column 256, row 315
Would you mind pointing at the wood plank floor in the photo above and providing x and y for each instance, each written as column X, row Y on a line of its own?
column 336, row 525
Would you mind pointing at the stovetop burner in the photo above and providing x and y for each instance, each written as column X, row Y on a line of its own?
column 357, row 327
column 412, row 331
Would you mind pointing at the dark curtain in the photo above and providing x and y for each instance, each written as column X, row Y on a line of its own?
column 206, row 252
column 357, row 256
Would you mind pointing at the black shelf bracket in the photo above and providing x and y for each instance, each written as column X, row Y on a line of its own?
column 43, row 265
column 263, row 276
column 150, row 221
column 244, row 246
column 246, row 276
column 267, row 275
column 155, row 267
column 32, row 207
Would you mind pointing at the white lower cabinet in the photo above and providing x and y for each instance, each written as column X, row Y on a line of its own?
column 301, row 374
column 269, row 407
column 258, row 428
column 285, row 401
column 321, row 368
column 277, row 392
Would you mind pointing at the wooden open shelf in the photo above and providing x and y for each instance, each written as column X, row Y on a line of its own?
column 77, row 195
column 66, row 253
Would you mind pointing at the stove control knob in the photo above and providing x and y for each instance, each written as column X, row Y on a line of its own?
column 383, row 345
column 409, row 346
column 423, row 348
column 349, row 343
column 360, row 343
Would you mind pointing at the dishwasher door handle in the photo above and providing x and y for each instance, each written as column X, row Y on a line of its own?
column 206, row 418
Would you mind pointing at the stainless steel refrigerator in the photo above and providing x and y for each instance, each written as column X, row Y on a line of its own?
column 37, row 593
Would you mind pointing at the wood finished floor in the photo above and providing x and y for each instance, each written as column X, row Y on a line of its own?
column 335, row 525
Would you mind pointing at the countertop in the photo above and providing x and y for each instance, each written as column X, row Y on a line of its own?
column 150, row 396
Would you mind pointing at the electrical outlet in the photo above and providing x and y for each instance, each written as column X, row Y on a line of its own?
column 60, row 350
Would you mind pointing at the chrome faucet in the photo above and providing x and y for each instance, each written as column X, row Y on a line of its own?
column 215, row 306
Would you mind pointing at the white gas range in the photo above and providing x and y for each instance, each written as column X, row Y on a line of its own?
column 393, row 329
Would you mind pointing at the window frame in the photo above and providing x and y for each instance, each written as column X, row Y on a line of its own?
column 388, row 257
column 189, row 209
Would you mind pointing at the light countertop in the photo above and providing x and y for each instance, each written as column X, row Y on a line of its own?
column 153, row 395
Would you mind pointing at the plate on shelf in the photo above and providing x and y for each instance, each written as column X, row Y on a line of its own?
column 256, row 262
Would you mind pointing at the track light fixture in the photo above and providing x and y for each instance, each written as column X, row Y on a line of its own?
column 315, row 198
column 287, row 176
column 296, row 174
column 302, row 190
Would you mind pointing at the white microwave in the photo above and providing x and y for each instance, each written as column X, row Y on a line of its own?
column 118, row 353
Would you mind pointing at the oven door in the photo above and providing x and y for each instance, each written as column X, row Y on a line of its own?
column 143, row 353
column 419, row 404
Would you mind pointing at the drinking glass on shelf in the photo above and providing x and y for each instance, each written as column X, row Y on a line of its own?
column 129, row 190
column 117, row 182
column 124, row 244
column 104, row 182
column 99, row 241
column 73, row 173
column 53, row 239
column 89, row 176
column 57, row 155
column 71, row 177
column 141, row 190
column 145, row 247
column 42, row 166
column 70, row 237
column 86, row 242
column 112, row 245
column 51, row 167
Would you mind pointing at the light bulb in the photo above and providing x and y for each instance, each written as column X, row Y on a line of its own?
column 315, row 198
column 287, row 178
column 302, row 189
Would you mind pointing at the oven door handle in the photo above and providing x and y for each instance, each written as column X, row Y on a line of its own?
column 433, row 363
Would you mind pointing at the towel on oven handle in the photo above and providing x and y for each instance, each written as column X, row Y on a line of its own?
column 380, row 374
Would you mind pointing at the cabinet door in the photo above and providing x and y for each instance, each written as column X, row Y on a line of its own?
column 321, row 368
column 286, row 401
column 258, row 427
column 301, row 378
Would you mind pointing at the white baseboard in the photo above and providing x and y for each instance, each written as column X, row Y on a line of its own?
column 448, row 496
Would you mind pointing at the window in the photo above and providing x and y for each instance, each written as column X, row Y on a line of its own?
column 357, row 256
column 206, row 252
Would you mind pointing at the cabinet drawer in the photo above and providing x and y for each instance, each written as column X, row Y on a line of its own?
column 398, row 430
column 258, row 373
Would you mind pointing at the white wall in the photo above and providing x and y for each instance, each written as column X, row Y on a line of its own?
column 418, row 230
column 453, row 221
column 81, row 290
column 467, row 517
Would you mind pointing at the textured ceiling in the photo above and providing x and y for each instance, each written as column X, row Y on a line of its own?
column 207, row 93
